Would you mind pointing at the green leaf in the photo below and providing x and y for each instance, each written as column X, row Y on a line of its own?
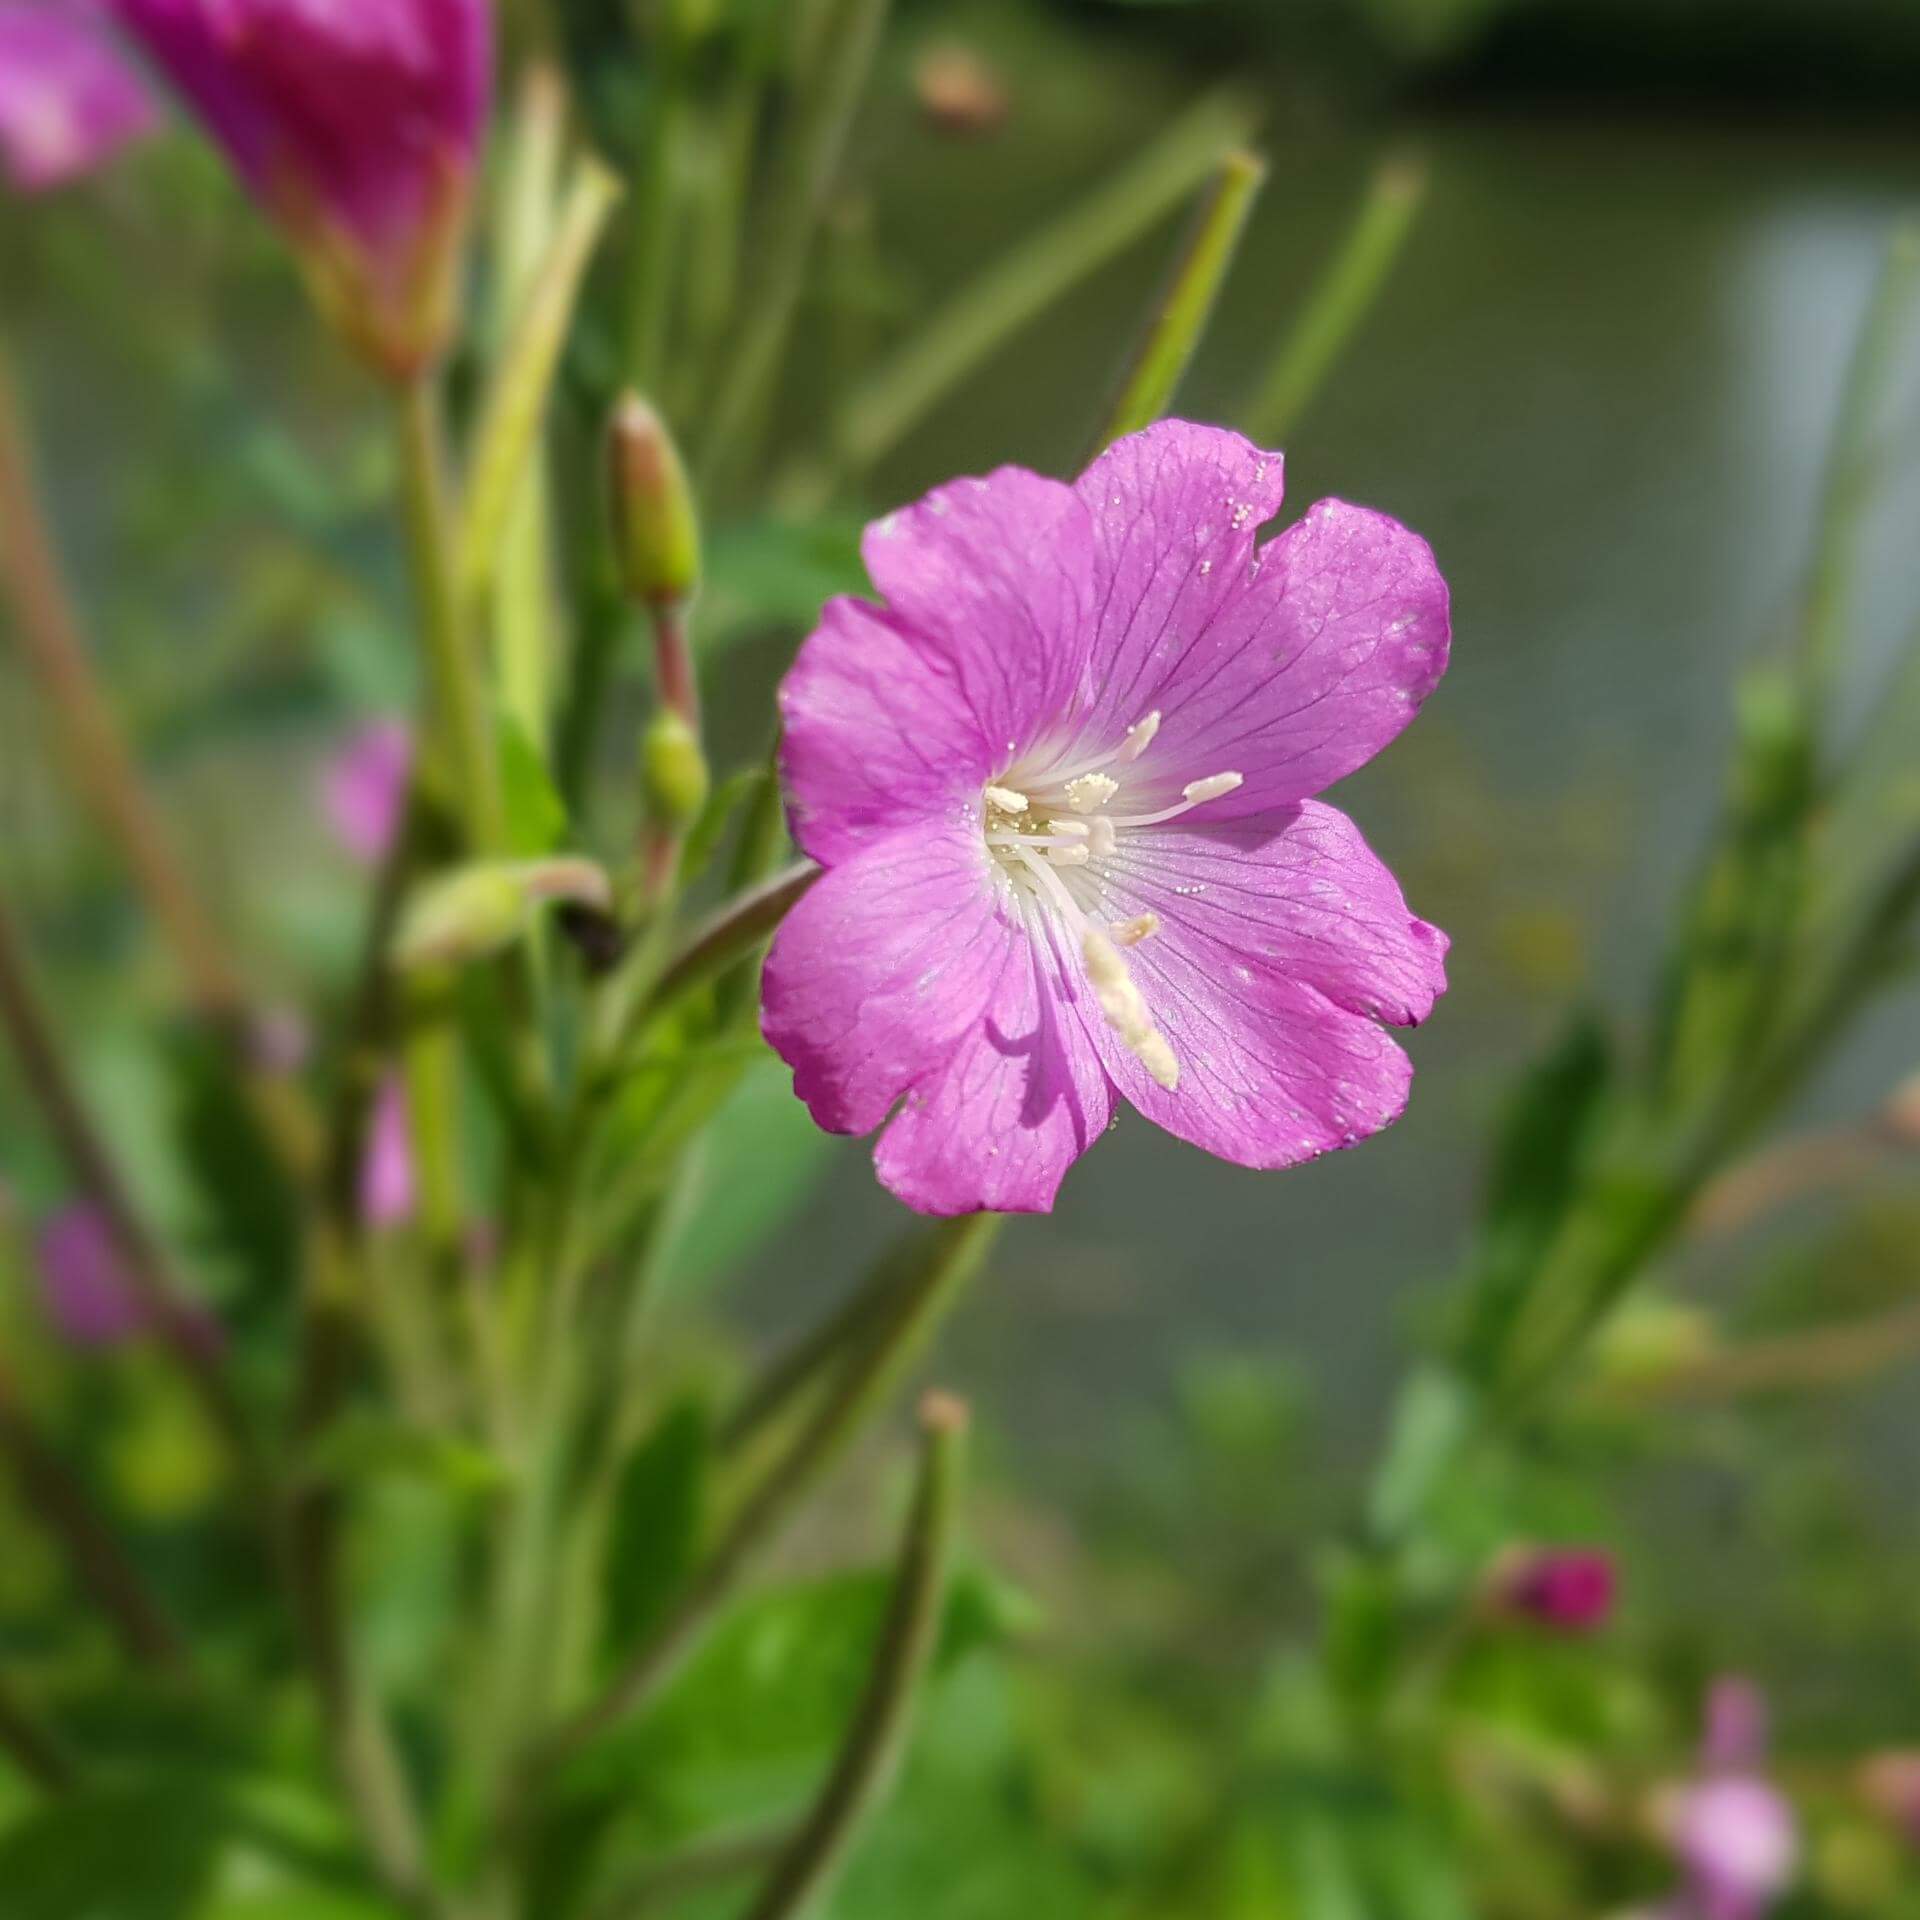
column 759, row 1161
column 129, row 1853
column 658, row 1518
column 778, row 574
column 367, row 1445
column 536, row 815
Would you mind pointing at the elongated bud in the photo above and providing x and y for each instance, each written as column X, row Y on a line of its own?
column 673, row 771
column 476, row 910
column 656, row 531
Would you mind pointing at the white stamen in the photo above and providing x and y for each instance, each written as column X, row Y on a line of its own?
column 1072, row 829
column 1211, row 788
column 1089, row 791
column 1140, row 736
column 1129, row 933
column 1073, row 854
column 1101, row 836
column 1005, row 800
column 1125, row 1011
column 1197, row 792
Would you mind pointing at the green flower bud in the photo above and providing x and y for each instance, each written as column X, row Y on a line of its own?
column 475, row 910
column 656, row 530
column 673, row 771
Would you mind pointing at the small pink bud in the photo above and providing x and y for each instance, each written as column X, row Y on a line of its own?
column 358, row 128
column 1570, row 1590
column 386, row 1166
column 82, row 1281
column 363, row 789
column 1890, row 1785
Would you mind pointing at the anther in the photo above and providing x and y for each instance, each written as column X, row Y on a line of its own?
column 1074, row 854
column 1005, row 800
column 1129, row 933
column 1212, row 787
column 1140, row 736
column 1102, row 837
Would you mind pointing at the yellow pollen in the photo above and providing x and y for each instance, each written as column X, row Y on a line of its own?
column 1091, row 790
column 1125, row 1010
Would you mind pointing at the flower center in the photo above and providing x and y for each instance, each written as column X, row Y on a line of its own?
column 1052, row 827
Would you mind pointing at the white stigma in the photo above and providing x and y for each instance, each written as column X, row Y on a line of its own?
column 1006, row 800
column 1125, row 1011
column 1090, row 791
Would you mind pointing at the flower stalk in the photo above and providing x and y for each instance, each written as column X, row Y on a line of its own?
column 933, row 1271
column 34, row 1748
column 875, row 1743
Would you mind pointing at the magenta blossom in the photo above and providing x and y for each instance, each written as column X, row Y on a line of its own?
column 1569, row 1590
column 386, row 1164
column 356, row 123
column 1734, row 1831
column 363, row 789
column 1062, row 786
column 68, row 103
column 88, row 1296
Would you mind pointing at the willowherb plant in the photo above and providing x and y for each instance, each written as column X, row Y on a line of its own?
column 1054, row 789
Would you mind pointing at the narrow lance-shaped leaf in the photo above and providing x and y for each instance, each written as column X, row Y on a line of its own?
column 517, row 395
column 904, row 389
column 1339, row 302
column 1180, row 316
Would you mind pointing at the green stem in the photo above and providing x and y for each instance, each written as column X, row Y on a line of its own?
column 730, row 935
column 807, row 173
column 1852, row 467
column 1185, row 304
column 100, row 1564
column 39, row 1754
column 934, row 1268
column 701, row 1864
column 875, row 1743
column 463, row 735
column 906, row 387
column 1339, row 301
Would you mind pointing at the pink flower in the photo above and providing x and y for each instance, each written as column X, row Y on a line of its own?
column 1568, row 1589
column 1062, row 786
column 68, row 103
column 386, row 1165
column 363, row 789
column 88, row 1296
column 1733, row 1830
column 357, row 124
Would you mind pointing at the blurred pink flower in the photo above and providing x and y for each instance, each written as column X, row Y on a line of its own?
column 363, row 789
column 1062, row 783
column 1733, row 1830
column 83, row 1283
column 357, row 125
column 1890, row 1783
column 1569, row 1589
column 386, row 1166
column 68, row 103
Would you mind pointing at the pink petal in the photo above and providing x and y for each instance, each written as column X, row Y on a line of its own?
column 68, row 102
column 1281, row 942
column 1019, row 1101
column 882, row 967
column 993, row 578
column 1175, row 510
column 874, row 734
column 1292, row 669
